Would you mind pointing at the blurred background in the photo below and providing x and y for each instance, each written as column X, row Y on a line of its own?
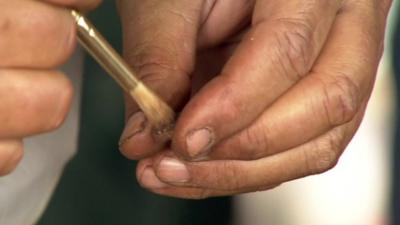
column 358, row 191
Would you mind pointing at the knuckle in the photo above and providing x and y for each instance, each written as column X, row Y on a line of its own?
column 294, row 47
column 325, row 154
column 155, row 65
column 340, row 100
column 233, row 177
column 230, row 104
column 182, row 16
column 256, row 142
column 149, row 59
column 219, row 177
column 325, row 160
column 375, row 5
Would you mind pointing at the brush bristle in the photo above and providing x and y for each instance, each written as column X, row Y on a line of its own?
column 159, row 114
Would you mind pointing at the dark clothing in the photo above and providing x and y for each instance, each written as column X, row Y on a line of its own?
column 99, row 185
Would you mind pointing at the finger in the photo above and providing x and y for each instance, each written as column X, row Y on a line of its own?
column 34, row 34
column 32, row 102
column 149, row 180
column 280, row 48
column 236, row 176
column 222, row 19
column 159, row 43
column 329, row 96
column 11, row 152
column 77, row 4
column 198, row 193
column 209, row 64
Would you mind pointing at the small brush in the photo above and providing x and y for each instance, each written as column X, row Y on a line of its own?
column 158, row 113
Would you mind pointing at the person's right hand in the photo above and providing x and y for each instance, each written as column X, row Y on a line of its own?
column 35, row 38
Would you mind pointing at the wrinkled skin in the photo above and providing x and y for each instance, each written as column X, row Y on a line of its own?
column 268, row 91
column 35, row 38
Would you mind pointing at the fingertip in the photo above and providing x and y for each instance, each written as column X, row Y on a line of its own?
column 198, row 127
column 142, row 164
column 196, row 144
column 149, row 180
column 146, row 175
column 172, row 170
column 137, row 141
column 140, row 146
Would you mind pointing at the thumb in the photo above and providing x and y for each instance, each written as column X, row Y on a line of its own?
column 159, row 43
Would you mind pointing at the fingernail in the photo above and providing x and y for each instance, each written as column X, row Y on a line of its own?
column 172, row 170
column 199, row 142
column 135, row 125
column 150, row 180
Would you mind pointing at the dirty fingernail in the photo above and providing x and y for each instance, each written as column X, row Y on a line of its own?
column 150, row 180
column 172, row 170
column 135, row 125
column 199, row 142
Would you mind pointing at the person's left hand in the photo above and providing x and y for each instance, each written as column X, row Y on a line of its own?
column 294, row 81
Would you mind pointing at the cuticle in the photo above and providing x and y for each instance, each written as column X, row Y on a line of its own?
column 210, row 143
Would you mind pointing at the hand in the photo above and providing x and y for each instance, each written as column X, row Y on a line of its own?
column 35, row 38
column 286, row 84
